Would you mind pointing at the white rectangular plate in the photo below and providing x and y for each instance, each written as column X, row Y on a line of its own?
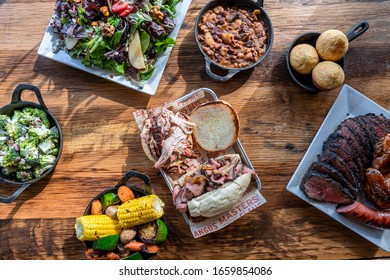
column 149, row 86
column 349, row 103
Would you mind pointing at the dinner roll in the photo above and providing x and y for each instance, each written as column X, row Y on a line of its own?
column 332, row 45
column 328, row 75
column 303, row 58
column 217, row 125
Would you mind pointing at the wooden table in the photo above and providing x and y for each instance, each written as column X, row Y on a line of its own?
column 101, row 139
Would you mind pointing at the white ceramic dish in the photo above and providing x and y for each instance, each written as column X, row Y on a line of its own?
column 149, row 87
column 349, row 103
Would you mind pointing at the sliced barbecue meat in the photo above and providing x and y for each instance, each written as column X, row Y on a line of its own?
column 322, row 188
column 379, row 125
column 325, row 168
column 340, row 147
column 346, row 155
column 358, row 126
column 341, row 166
column 345, row 136
column 338, row 176
column 361, row 134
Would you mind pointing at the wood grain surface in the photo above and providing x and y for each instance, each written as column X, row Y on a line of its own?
column 101, row 138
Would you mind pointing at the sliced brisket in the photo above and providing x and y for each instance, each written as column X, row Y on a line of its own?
column 338, row 175
column 321, row 187
column 334, row 173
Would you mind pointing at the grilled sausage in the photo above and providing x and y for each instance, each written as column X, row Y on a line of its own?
column 366, row 215
column 377, row 189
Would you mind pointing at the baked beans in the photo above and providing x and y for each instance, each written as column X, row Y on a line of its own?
column 232, row 37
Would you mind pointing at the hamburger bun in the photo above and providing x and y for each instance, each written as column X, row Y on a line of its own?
column 217, row 125
column 332, row 45
column 303, row 58
column 328, row 75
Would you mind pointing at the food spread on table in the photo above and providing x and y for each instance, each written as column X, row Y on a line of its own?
column 194, row 142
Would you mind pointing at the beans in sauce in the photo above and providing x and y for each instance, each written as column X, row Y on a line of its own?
column 233, row 37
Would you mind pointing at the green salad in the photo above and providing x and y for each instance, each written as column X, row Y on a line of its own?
column 125, row 36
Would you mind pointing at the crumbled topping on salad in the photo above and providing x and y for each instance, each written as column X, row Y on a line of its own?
column 99, row 33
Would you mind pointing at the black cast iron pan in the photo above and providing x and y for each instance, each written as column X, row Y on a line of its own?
column 18, row 104
column 310, row 38
column 248, row 4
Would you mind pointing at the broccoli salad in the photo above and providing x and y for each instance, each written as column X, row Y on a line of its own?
column 125, row 36
column 28, row 145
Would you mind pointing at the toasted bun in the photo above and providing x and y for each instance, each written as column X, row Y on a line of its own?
column 217, row 125
column 221, row 200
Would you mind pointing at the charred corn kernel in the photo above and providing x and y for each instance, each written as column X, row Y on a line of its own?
column 93, row 227
column 140, row 210
column 104, row 11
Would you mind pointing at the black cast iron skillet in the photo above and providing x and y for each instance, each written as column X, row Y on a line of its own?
column 248, row 4
column 18, row 104
column 305, row 81
column 138, row 191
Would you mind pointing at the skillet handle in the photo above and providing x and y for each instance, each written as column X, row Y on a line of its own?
column 357, row 30
column 132, row 173
column 228, row 76
column 16, row 96
column 10, row 199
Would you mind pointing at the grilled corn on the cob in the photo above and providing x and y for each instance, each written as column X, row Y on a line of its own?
column 92, row 227
column 140, row 210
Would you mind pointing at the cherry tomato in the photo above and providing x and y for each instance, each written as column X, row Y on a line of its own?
column 119, row 7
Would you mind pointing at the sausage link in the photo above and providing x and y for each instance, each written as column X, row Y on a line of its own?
column 366, row 215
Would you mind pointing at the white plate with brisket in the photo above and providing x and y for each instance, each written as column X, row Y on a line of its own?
column 346, row 169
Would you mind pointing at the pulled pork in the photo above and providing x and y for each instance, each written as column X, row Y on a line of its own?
column 168, row 136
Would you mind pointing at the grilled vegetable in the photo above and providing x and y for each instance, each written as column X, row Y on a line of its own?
column 93, row 227
column 109, row 199
column 107, row 243
column 140, row 210
column 125, row 193
column 111, row 211
column 96, row 207
column 127, row 235
column 142, row 247
column 153, row 232
column 135, row 256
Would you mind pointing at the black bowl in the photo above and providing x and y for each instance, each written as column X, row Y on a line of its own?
column 246, row 4
column 18, row 104
column 138, row 191
column 305, row 81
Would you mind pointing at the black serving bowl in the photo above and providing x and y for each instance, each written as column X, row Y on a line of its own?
column 18, row 104
column 138, row 190
column 305, row 81
column 246, row 4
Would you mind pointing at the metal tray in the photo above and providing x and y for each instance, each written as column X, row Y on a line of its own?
column 237, row 147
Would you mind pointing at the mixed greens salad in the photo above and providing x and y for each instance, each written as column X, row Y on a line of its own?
column 125, row 36
column 28, row 145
